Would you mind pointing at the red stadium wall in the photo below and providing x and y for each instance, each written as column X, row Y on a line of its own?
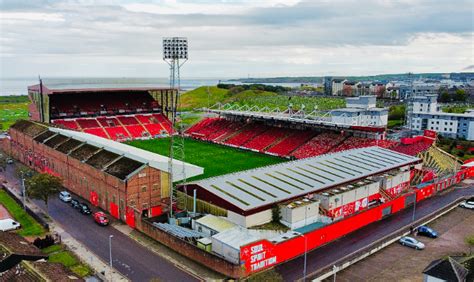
column 263, row 254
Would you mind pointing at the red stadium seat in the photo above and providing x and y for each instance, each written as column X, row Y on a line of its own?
column 290, row 143
column 137, row 131
column 127, row 120
column 88, row 123
column 117, row 133
column 67, row 123
column 264, row 140
column 97, row 131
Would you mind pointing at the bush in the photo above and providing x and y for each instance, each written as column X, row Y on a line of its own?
column 276, row 216
column 44, row 243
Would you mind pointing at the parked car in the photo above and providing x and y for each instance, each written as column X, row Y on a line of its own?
column 426, row 231
column 101, row 219
column 65, row 196
column 9, row 161
column 467, row 205
column 75, row 204
column 9, row 224
column 412, row 243
column 84, row 208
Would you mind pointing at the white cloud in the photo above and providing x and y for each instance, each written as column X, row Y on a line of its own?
column 11, row 17
column 235, row 38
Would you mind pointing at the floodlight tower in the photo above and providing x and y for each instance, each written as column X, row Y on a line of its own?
column 175, row 53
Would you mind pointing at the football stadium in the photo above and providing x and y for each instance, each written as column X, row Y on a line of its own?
column 256, row 187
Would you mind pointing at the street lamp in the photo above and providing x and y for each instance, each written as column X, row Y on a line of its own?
column 110, row 250
column 23, row 189
column 305, row 253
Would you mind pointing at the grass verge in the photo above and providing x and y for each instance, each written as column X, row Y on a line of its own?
column 29, row 227
column 57, row 254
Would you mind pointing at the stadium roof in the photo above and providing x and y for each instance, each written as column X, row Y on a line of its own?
column 153, row 160
column 61, row 90
column 259, row 187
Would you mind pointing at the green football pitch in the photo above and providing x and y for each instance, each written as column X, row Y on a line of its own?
column 215, row 159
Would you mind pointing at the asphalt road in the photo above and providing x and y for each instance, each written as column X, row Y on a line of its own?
column 129, row 258
column 331, row 252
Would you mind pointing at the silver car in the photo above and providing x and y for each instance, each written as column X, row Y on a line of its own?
column 467, row 205
column 412, row 243
column 65, row 196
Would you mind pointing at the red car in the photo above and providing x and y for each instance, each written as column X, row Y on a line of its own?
column 101, row 218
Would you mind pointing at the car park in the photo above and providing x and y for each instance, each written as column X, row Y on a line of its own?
column 65, row 196
column 75, row 204
column 467, row 205
column 84, row 208
column 426, row 231
column 101, row 219
column 412, row 243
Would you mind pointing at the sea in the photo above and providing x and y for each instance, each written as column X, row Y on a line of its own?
column 18, row 86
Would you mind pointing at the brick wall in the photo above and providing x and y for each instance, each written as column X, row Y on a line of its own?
column 143, row 189
column 186, row 249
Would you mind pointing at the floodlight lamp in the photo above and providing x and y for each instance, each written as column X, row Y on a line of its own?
column 175, row 48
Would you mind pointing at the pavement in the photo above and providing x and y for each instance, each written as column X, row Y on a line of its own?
column 4, row 214
column 131, row 261
column 329, row 253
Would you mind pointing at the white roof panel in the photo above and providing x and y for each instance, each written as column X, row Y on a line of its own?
column 153, row 160
column 262, row 186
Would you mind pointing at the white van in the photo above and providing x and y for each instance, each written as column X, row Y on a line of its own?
column 8, row 224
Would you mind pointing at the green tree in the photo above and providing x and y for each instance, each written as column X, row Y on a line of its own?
column 42, row 186
column 445, row 97
column 276, row 216
column 470, row 242
column 460, row 95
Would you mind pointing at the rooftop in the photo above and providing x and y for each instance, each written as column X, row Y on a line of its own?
column 259, row 187
column 138, row 155
column 59, row 89
column 216, row 223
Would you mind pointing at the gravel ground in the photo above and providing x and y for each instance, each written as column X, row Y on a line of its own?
column 399, row 263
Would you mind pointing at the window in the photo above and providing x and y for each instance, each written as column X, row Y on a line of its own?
column 143, row 188
column 155, row 187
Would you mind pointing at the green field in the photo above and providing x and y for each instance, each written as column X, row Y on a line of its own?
column 215, row 159
column 12, row 108
column 208, row 96
column 29, row 227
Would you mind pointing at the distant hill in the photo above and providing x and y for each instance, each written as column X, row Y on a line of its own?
column 319, row 79
column 199, row 98
column 205, row 96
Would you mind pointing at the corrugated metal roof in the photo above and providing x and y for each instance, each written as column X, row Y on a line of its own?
column 236, row 237
column 262, row 186
column 216, row 223
column 60, row 90
column 154, row 160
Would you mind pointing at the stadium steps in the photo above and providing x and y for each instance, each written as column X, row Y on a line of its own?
column 302, row 144
column 254, row 137
column 386, row 195
column 144, row 127
column 334, row 147
column 224, row 138
column 124, row 128
column 277, row 141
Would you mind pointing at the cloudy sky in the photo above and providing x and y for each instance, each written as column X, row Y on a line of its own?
column 235, row 38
